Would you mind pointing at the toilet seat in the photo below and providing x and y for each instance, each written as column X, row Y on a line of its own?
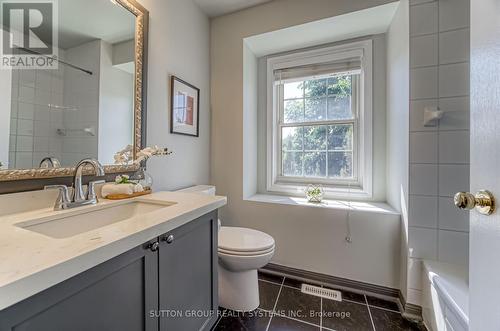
column 229, row 252
column 243, row 241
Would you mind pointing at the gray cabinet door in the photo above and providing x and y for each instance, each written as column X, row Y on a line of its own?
column 188, row 276
column 120, row 294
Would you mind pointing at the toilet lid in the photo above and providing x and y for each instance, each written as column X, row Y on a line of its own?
column 235, row 239
column 253, row 253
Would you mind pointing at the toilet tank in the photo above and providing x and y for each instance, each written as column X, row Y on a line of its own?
column 202, row 189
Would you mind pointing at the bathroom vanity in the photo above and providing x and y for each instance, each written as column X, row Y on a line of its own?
column 152, row 267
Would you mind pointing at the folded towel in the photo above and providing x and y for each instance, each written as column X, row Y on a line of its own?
column 128, row 189
column 109, row 189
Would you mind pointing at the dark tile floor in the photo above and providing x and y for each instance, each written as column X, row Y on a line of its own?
column 283, row 307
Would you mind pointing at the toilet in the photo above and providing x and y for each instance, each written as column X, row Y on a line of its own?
column 242, row 252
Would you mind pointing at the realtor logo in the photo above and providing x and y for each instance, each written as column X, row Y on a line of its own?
column 29, row 36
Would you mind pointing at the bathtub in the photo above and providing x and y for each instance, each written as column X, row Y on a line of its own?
column 445, row 300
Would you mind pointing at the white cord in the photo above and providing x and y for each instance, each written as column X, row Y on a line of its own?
column 348, row 237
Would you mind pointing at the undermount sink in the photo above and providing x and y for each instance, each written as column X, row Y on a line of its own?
column 66, row 226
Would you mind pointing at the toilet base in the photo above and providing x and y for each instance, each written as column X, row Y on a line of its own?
column 238, row 291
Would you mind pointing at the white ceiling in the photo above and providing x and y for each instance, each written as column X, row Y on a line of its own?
column 352, row 25
column 215, row 8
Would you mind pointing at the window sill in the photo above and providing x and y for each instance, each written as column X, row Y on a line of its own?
column 330, row 193
column 370, row 207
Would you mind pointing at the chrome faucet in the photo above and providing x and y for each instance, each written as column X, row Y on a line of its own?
column 78, row 197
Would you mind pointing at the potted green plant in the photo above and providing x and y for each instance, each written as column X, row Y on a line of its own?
column 314, row 193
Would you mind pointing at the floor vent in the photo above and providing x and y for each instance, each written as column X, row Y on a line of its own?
column 321, row 292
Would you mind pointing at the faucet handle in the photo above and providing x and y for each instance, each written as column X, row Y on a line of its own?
column 91, row 189
column 63, row 198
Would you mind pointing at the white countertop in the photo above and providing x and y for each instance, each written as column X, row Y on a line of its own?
column 31, row 262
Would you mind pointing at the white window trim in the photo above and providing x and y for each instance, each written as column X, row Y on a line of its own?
column 364, row 189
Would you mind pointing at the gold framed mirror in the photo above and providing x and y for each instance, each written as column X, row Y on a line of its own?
column 99, row 108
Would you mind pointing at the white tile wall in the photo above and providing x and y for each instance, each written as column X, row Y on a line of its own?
column 25, row 127
column 422, row 243
column 14, row 108
column 415, row 276
column 424, row 83
column 423, row 147
column 26, row 94
column 454, row 147
column 423, row 179
column 454, row 247
column 454, row 80
column 25, row 110
column 439, row 155
column 423, row 211
column 424, row 19
column 24, row 144
column 27, row 78
column 42, row 129
column 453, row 179
column 42, row 113
column 41, row 144
column 453, row 14
column 424, row 51
column 34, row 124
column 454, row 46
column 12, row 142
column 456, row 113
column 24, row 160
column 450, row 217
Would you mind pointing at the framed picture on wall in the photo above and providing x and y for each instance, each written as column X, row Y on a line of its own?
column 184, row 108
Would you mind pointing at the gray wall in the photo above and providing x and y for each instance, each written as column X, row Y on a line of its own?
column 306, row 237
column 116, row 106
column 398, row 62
column 179, row 43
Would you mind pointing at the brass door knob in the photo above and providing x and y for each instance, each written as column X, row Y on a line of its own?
column 483, row 201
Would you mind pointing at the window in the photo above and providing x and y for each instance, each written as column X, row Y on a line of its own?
column 319, row 112
column 318, row 127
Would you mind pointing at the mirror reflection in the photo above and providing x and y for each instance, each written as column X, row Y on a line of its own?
column 82, row 109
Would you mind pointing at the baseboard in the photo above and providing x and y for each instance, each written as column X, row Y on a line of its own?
column 408, row 310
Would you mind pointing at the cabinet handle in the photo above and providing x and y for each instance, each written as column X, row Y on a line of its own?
column 169, row 239
column 154, row 246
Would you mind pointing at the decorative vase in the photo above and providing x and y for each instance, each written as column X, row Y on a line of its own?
column 314, row 193
column 146, row 179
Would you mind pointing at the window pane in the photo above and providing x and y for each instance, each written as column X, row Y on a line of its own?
column 340, row 137
column 340, row 164
column 315, row 137
column 292, row 163
column 315, row 88
column 293, row 111
column 340, row 86
column 315, row 109
column 291, row 139
column 339, row 108
column 294, row 90
column 315, row 164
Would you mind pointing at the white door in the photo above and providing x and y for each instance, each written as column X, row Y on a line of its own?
column 484, row 267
